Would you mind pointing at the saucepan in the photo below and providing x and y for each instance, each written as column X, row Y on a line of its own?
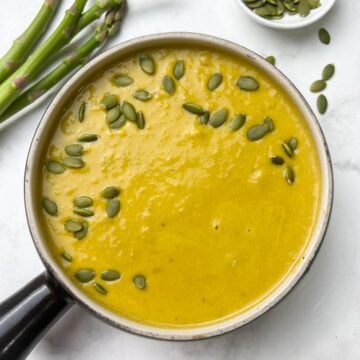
column 28, row 314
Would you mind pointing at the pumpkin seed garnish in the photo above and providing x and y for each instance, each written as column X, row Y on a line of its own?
column 324, row 36
column 85, row 275
column 247, row 83
column 66, row 256
column 100, row 289
column 74, row 150
column 179, row 69
column 49, row 206
column 293, row 143
column 218, row 118
column 270, row 123
column 237, row 122
column 257, row 132
column 129, row 111
column 82, row 109
column 289, row 175
column 73, row 162
column 322, row 104
column 142, row 95
column 317, row 86
column 109, row 101
column 214, row 81
column 123, row 80
column 83, row 201
column 110, row 275
column 328, row 72
column 54, row 167
column 79, row 235
column 113, row 114
column 113, row 208
column 193, row 108
column 139, row 281
column 140, row 121
column 110, row 192
column 288, row 150
column 271, row 59
column 119, row 123
column 277, row 160
column 169, row 85
column 147, row 63
column 88, row 137
column 73, row 226
column 83, row 212
column 204, row 118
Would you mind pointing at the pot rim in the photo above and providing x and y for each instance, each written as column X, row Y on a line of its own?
column 282, row 289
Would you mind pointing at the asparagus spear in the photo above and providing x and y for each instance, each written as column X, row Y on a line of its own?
column 23, row 45
column 108, row 28
column 11, row 88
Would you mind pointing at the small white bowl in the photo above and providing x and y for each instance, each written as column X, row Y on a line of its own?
column 291, row 21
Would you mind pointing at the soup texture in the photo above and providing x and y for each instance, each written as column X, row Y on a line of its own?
column 166, row 214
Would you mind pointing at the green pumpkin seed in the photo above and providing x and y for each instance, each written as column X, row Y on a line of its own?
column 88, row 137
column 314, row 4
column 270, row 123
column 247, row 83
column 119, row 123
column 79, row 235
column 74, row 150
column 289, row 175
column 72, row 162
column 82, row 109
column 113, row 208
column 179, row 69
column 204, row 118
column 214, row 81
column 324, row 36
column 147, row 63
column 83, row 201
column 123, row 80
column 328, row 72
column 84, row 212
column 288, row 150
column 110, row 275
column 55, row 167
column 293, row 143
column 139, row 281
column 140, row 121
column 66, row 256
column 317, row 86
column 85, row 275
column 169, row 85
column 110, row 192
column 304, row 8
column 237, row 122
column 73, row 226
column 277, row 160
column 271, row 59
column 129, row 111
column 322, row 104
column 257, row 132
column 142, row 95
column 218, row 118
column 266, row 10
column 109, row 101
column 113, row 114
column 193, row 108
column 100, row 289
column 49, row 206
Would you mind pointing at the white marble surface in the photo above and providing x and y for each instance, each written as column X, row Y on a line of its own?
column 321, row 318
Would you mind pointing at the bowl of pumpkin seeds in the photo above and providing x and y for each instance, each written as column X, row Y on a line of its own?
column 286, row 14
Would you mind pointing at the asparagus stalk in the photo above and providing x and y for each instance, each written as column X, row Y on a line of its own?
column 109, row 27
column 23, row 45
column 11, row 88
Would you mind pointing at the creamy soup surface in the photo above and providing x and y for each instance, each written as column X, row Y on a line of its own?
column 207, row 223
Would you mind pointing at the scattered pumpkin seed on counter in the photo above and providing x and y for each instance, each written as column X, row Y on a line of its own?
column 328, row 72
column 322, row 104
column 324, row 36
column 271, row 59
column 317, row 86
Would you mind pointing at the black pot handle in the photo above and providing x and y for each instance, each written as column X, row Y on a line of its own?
column 27, row 315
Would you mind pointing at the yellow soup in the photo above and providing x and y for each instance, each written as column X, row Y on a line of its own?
column 207, row 223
